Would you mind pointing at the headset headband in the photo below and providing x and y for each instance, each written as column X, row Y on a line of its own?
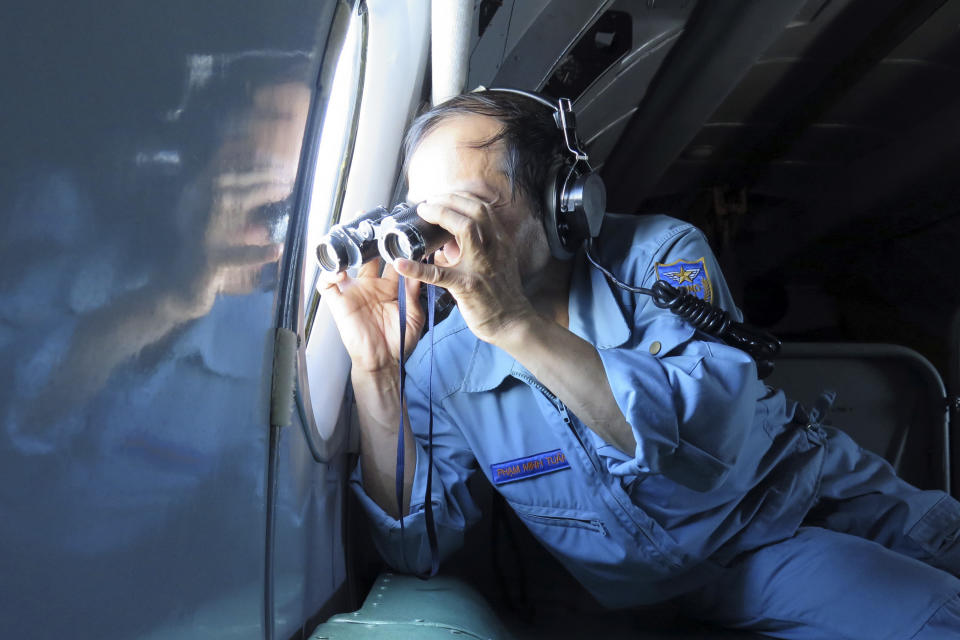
column 575, row 202
column 563, row 116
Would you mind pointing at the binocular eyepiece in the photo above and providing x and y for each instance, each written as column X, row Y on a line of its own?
column 399, row 233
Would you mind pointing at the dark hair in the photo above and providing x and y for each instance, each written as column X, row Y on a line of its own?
column 532, row 143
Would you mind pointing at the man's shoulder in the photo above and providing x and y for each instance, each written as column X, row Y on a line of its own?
column 643, row 249
column 629, row 244
column 642, row 232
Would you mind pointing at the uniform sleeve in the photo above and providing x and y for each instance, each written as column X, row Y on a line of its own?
column 453, row 508
column 689, row 399
column 678, row 261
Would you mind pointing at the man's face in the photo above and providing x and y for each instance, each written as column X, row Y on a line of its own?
column 447, row 162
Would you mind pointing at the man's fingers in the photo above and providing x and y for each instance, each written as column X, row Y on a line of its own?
column 329, row 279
column 466, row 216
column 413, row 294
column 428, row 273
column 470, row 205
column 369, row 269
column 454, row 221
column 465, row 230
column 338, row 304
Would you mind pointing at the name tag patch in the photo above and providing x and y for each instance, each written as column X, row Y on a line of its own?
column 689, row 276
column 528, row 467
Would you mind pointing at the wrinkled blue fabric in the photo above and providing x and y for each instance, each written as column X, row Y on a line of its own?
column 719, row 471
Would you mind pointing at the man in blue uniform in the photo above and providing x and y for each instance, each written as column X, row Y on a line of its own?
column 645, row 455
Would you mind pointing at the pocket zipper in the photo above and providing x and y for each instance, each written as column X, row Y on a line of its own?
column 583, row 523
column 561, row 409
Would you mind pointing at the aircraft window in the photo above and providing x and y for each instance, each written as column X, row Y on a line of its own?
column 334, row 156
column 374, row 92
column 319, row 393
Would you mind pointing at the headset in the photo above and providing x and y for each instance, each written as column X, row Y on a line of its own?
column 575, row 198
column 575, row 204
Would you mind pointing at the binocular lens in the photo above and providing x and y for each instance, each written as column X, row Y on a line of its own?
column 407, row 235
column 396, row 244
column 328, row 257
column 399, row 233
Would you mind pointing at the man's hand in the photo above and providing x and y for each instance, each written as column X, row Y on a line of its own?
column 482, row 271
column 367, row 315
column 366, row 312
column 480, row 266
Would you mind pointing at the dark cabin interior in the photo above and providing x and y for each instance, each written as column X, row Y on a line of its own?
column 819, row 158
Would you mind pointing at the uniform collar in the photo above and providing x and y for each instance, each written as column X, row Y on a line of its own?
column 594, row 312
column 594, row 315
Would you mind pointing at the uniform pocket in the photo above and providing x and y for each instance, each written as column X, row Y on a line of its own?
column 550, row 517
column 938, row 527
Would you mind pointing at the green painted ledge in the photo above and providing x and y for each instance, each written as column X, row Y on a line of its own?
column 404, row 607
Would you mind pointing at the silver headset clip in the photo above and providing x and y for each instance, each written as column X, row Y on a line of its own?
column 567, row 122
column 581, row 194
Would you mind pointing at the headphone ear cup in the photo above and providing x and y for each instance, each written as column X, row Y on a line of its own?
column 554, row 219
column 586, row 203
column 575, row 214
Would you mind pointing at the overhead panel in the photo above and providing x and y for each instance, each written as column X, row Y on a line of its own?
column 523, row 41
column 601, row 54
column 605, row 105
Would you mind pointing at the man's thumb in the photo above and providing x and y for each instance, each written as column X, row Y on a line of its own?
column 428, row 273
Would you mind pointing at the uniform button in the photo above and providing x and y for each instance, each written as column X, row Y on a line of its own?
column 655, row 347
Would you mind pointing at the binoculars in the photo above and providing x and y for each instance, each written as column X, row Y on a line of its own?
column 397, row 233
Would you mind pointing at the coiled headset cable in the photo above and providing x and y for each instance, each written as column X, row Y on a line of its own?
column 762, row 346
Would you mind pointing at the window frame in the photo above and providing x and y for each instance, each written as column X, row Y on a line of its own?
column 391, row 76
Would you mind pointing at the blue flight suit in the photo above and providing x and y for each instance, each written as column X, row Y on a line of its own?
column 712, row 506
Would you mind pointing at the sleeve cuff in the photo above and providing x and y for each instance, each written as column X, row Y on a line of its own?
column 643, row 394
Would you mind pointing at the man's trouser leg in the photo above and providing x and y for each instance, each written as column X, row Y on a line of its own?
column 820, row 584
column 861, row 495
column 865, row 566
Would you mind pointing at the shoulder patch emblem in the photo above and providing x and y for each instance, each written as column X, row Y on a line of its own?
column 689, row 276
